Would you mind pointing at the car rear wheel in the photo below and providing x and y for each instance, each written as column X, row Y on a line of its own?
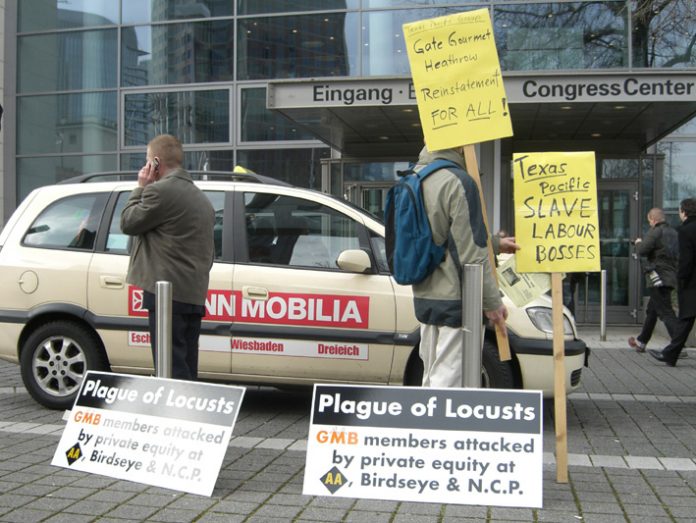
column 55, row 359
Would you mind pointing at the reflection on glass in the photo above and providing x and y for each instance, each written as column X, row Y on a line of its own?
column 383, row 44
column 250, row 7
column 615, row 243
column 578, row 35
column 298, row 46
column 41, row 15
column 191, row 116
column 664, row 33
column 47, row 170
column 679, row 181
column 299, row 167
column 620, row 168
column 67, row 123
column 259, row 124
column 372, row 171
column 67, row 61
column 139, row 11
column 177, row 53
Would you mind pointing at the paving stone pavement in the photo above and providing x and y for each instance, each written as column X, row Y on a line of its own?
column 631, row 444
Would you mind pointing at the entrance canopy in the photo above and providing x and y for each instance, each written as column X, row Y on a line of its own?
column 606, row 112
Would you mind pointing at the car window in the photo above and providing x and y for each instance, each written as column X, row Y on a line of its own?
column 379, row 249
column 118, row 242
column 69, row 223
column 284, row 230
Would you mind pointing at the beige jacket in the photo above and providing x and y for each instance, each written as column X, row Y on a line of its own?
column 454, row 211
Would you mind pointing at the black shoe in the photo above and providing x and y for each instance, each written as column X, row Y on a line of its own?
column 660, row 357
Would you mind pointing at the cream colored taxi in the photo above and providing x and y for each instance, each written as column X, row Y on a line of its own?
column 300, row 292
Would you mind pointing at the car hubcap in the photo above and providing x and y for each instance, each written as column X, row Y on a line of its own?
column 59, row 365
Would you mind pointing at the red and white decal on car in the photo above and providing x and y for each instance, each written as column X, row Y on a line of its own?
column 317, row 310
column 268, row 346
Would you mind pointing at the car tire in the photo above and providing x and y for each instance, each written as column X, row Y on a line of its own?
column 55, row 359
column 496, row 374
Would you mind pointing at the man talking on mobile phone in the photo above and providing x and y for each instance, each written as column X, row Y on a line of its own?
column 172, row 224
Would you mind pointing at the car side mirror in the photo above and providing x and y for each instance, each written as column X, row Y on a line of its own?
column 354, row 260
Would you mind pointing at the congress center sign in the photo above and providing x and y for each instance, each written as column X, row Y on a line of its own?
column 520, row 88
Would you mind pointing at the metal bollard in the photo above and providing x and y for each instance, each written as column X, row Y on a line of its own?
column 472, row 325
column 163, row 365
column 603, row 307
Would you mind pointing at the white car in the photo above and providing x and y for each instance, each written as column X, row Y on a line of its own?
column 300, row 292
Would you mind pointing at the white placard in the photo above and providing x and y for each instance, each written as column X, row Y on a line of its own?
column 161, row 432
column 465, row 446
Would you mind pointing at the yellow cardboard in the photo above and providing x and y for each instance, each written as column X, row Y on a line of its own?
column 556, row 217
column 457, row 79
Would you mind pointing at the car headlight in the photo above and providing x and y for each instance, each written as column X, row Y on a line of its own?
column 542, row 318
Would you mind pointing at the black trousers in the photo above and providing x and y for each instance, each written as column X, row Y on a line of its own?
column 186, row 329
column 671, row 352
column 659, row 306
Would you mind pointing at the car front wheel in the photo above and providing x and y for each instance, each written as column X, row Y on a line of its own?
column 55, row 359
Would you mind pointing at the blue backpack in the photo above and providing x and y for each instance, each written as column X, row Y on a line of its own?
column 411, row 252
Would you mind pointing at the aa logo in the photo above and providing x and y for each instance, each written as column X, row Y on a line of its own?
column 74, row 453
column 334, row 480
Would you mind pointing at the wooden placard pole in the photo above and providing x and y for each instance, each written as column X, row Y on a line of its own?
column 559, row 374
column 472, row 168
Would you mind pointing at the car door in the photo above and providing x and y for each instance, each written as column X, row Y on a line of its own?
column 299, row 318
column 117, row 305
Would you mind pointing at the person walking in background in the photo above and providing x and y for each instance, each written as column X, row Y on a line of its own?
column 453, row 206
column 172, row 221
column 660, row 249
column 686, row 284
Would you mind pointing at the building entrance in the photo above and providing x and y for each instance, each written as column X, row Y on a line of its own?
column 618, row 224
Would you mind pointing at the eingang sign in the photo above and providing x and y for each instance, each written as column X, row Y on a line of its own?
column 385, row 92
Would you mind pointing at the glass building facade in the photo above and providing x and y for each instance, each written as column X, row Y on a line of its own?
column 92, row 81
column 95, row 80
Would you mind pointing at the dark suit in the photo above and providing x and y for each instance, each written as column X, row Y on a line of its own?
column 172, row 221
column 686, row 288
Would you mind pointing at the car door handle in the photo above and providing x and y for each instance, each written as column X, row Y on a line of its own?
column 255, row 293
column 111, row 282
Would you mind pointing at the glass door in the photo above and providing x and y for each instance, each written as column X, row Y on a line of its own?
column 618, row 225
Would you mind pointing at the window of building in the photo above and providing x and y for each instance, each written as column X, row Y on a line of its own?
column 192, row 116
column 663, row 34
column 47, row 170
column 299, row 167
column 177, row 53
column 258, row 124
column 41, row 15
column 251, row 7
column 577, row 35
column 67, row 61
column 67, row 123
column 679, row 181
column 143, row 11
column 294, row 232
column 383, row 45
column 70, row 223
column 298, row 46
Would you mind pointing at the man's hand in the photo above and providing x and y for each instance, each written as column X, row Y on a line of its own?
column 498, row 317
column 508, row 246
column 147, row 175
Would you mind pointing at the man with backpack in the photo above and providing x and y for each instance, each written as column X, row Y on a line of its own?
column 660, row 247
column 453, row 207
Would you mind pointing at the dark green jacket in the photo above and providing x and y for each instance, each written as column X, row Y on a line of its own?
column 172, row 221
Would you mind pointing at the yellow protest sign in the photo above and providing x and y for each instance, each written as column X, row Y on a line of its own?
column 457, row 79
column 556, row 219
